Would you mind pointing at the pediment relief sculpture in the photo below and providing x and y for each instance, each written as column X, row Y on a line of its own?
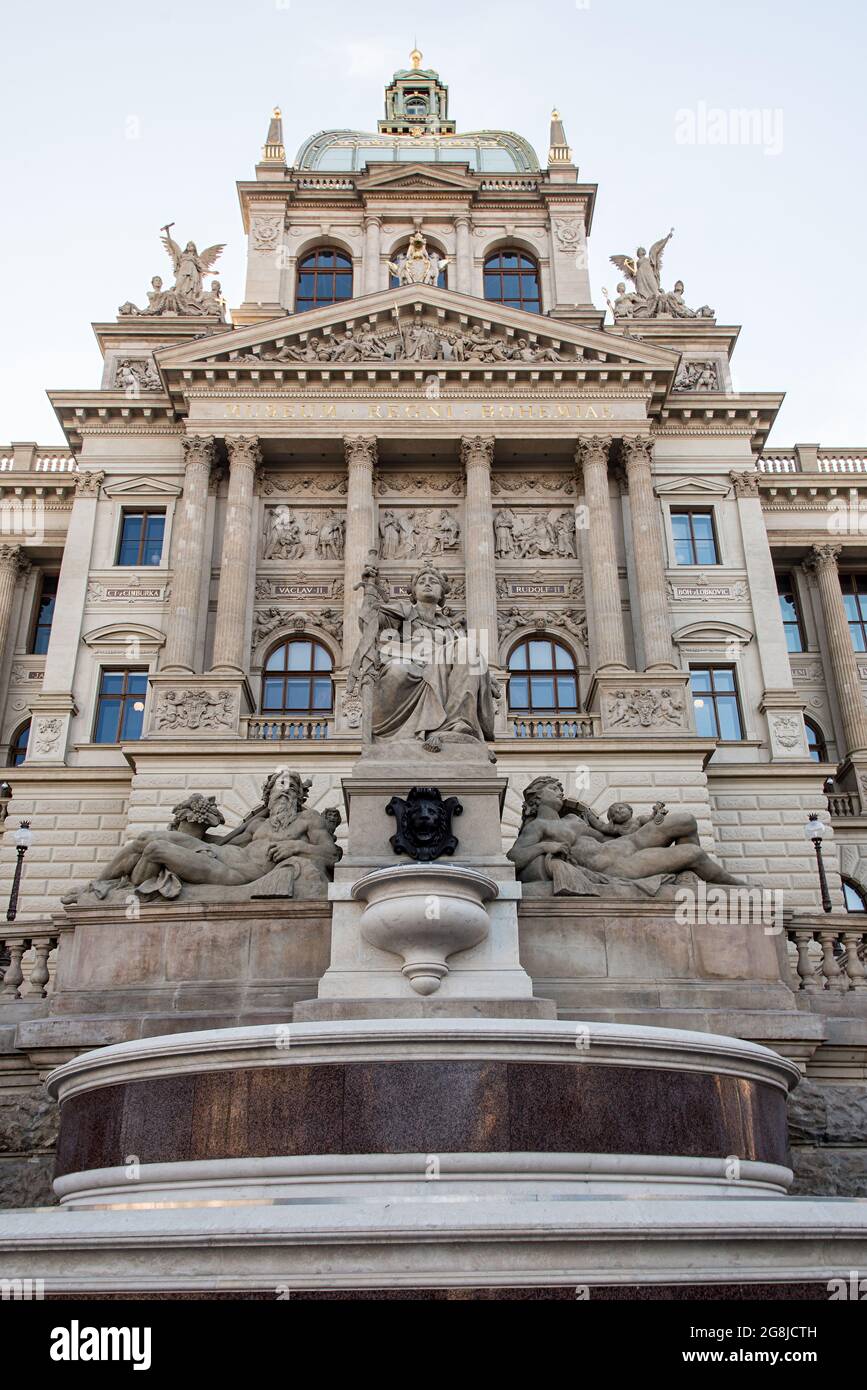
column 417, row 533
column 297, row 535
column 281, row 849
column 416, row 340
column 530, row 533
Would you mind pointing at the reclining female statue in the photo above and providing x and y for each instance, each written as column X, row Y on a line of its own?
column 563, row 848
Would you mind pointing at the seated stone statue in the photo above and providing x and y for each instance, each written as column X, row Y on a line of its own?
column 429, row 685
column 282, row 849
column 564, row 849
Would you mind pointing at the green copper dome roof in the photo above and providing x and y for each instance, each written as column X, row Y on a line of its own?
column 485, row 151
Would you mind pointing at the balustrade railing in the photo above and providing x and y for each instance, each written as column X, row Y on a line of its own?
column 582, row 726
column 830, row 958
column 842, row 804
column 262, row 728
column 25, row 965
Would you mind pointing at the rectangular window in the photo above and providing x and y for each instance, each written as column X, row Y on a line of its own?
column 141, row 538
column 854, row 588
column 694, row 537
column 790, row 613
column 44, row 614
column 716, row 704
column 120, row 706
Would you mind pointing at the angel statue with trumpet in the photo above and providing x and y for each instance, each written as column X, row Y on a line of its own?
column 649, row 299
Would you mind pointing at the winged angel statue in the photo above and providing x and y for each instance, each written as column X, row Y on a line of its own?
column 187, row 295
column 649, row 300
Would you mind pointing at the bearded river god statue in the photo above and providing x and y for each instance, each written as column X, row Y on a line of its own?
column 281, row 850
column 564, row 849
column 427, row 683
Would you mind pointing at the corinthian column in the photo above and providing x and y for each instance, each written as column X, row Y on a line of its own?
column 823, row 561
column 372, row 227
column 592, row 457
column 463, row 256
column 649, row 562
column 188, row 554
column 230, row 636
column 11, row 563
column 360, row 451
column 477, row 454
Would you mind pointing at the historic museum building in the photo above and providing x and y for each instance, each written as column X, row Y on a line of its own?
column 419, row 377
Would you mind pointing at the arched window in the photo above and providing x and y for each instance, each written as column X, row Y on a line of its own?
column 512, row 278
column 296, row 678
column 816, row 742
column 18, row 744
column 542, row 678
column 324, row 277
column 853, row 896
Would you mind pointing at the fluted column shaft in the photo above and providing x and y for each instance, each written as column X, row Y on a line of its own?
column 372, row 227
column 477, row 455
column 188, row 555
column 64, row 639
column 823, row 561
column 10, row 567
column 360, row 451
column 463, row 256
column 647, row 548
column 592, row 457
column 230, row 632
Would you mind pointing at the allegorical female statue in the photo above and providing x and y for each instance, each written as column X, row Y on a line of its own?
column 429, row 682
column 564, row 849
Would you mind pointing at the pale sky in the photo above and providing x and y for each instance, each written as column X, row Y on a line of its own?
column 118, row 118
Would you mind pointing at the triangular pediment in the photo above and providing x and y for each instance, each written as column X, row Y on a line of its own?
column 141, row 487
column 692, row 486
column 459, row 333
column 413, row 174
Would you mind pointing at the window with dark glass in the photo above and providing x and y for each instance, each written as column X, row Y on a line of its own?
column 853, row 896
column 791, row 613
column 854, row 588
column 141, row 538
column 816, row 742
column 543, row 679
column 296, row 678
column 120, row 706
column 716, row 704
column 512, row 278
column 324, row 277
column 44, row 614
column 18, row 745
column 694, row 537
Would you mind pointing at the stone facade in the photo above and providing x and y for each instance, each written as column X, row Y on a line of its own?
column 542, row 460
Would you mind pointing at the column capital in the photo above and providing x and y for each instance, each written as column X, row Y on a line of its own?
column 636, row 451
column 745, row 484
column 592, row 449
column 823, row 557
column 360, row 450
column 463, row 219
column 88, row 484
column 198, row 448
column 371, row 219
column 12, row 559
column 477, row 450
column 243, row 451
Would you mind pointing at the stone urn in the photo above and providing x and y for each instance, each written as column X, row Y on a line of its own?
column 425, row 913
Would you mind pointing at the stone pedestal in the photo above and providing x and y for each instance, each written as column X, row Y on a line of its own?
column 363, row 979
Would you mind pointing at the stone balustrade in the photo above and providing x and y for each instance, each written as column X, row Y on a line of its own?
column 26, row 970
column 260, row 727
column 582, row 726
column 829, row 957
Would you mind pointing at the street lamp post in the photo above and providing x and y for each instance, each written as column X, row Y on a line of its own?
column 23, row 841
column 815, row 831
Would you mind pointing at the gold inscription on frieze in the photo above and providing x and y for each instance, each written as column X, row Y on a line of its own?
column 417, row 410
